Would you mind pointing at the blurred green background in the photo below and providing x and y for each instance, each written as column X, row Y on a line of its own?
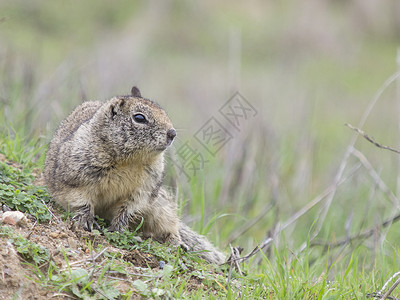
column 307, row 67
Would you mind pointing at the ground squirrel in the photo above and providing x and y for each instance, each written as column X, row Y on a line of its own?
column 107, row 158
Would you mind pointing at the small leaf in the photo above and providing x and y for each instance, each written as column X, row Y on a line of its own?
column 157, row 292
column 111, row 292
column 167, row 271
column 141, row 286
column 79, row 275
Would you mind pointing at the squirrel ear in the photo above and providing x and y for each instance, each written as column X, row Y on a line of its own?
column 116, row 107
column 135, row 92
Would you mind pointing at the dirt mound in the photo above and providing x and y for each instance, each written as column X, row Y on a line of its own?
column 69, row 249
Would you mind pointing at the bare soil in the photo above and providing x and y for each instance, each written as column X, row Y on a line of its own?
column 58, row 238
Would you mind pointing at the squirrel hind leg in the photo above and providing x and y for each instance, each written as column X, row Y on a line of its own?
column 196, row 242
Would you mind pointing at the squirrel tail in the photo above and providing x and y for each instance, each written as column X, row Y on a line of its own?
column 196, row 242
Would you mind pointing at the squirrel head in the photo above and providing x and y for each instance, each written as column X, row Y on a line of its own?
column 135, row 125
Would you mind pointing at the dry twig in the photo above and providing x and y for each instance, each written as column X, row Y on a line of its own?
column 365, row 234
column 262, row 246
column 251, row 223
column 31, row 230
column 377, row 295
column 268, row 240
column 385, row 296
column 51, row 213
column 371, row 139
column 387, row 283
column 234, row 261
column 343, row 163
column 381, row 185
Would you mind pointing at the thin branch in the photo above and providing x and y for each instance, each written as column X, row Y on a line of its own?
column 387, row 294
column 381, row 185
column 377, row 295
column 343, row 163
column 378, row 94
column 49, row 210
column 234, row 261
column 101, row 293
column 251, row 223
column 31, row 230
column 365, row 234
column 387, row 282
column 317, row 200
column 135, row 274
column 371, row 139
column 88, row 260
column 268, row 240
column 257, row 249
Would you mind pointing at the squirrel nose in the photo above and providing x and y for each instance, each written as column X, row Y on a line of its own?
column 171, row 134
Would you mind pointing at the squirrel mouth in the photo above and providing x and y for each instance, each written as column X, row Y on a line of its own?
column 163, row 147
column 170, row 138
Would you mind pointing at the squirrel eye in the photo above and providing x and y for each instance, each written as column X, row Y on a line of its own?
column 140, row 118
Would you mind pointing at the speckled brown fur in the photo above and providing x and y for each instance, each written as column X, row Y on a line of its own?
column 107, row 158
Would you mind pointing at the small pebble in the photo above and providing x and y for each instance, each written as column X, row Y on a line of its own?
column 14, row 218
column 54, row 234
column 72, row 243
column 162, row 264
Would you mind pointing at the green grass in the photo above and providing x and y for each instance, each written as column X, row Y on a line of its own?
column 351, row 272
column 18, row 192
column 28, row 250
column 305, row 83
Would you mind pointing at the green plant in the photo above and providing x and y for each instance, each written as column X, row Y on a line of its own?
column 18, row 192
column 28, row 250
column 18, row 147
column 124, row 240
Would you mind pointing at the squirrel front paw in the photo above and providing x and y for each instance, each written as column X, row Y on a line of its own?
column 86, row 219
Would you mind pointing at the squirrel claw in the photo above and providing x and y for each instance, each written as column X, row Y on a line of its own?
column 184, row 247
column 96, row 225
column 88, row 223
column 116, row 228
column 86, row 219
